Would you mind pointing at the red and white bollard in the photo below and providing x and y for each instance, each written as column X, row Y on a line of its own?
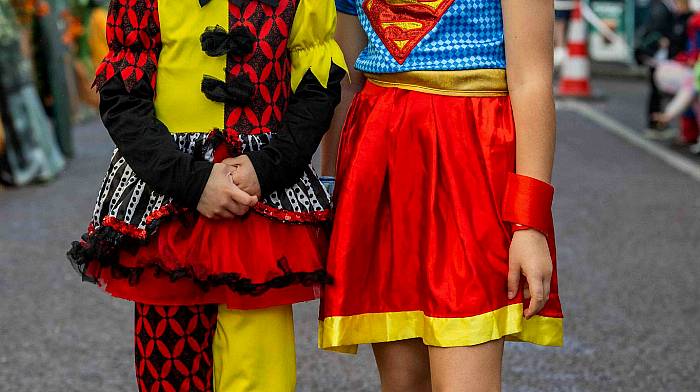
column 575, row 73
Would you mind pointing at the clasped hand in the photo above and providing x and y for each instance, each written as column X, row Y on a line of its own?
column 231, row 190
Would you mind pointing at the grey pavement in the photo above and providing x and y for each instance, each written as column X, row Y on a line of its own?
column 629, row 262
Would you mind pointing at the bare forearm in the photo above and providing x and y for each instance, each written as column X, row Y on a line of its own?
column 535, row 130
column 329, row 146
column 528, row 29
column 352, row 40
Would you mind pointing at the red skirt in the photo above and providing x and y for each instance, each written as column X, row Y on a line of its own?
column 419, row 249
column 246, row 263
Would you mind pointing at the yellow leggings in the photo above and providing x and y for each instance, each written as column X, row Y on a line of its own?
column 254, row 350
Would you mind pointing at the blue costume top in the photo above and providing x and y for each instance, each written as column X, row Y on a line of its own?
column 437, row 35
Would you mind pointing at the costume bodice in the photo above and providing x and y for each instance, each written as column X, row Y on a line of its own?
column 438, row 35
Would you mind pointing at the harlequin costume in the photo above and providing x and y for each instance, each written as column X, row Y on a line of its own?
column 426, row 194
column 185, row 84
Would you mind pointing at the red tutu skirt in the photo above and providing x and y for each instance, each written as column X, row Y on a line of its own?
column 246, row 263
column 419, row 249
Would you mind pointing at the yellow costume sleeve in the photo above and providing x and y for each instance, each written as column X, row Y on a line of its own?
column 97, row 37
column 312, row 43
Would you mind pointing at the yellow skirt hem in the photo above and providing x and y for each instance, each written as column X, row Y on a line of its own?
column 344, row 333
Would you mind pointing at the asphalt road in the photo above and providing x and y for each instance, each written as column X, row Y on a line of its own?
column 629, row 248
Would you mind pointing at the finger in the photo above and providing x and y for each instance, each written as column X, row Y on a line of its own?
column 513, row 279
column 546, row 283
column 241, row 209
column 241, row 197
column 210, row 215
column 224, row 214
column 537, row 297
column 236, row 179
column 235, row 209
column 526, row 291
column 230, row 161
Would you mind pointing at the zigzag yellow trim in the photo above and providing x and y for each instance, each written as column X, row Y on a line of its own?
column 312, row 44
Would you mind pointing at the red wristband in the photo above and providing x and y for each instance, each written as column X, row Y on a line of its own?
column 528, row 202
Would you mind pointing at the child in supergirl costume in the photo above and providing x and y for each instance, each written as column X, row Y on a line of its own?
column 428, row 198
column 187, row 86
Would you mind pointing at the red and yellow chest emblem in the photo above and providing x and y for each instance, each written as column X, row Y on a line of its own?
column 402, row 24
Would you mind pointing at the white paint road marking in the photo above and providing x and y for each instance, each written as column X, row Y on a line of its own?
column 673, row 159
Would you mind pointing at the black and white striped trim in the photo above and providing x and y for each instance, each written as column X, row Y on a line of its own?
column 126, row 198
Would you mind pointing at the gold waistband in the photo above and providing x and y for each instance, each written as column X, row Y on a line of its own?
column 464, row 83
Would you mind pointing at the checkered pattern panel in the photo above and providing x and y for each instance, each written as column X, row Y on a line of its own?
column 268, row 67
column 468, row 36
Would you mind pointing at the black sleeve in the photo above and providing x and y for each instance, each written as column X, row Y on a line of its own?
column 309, row 113
column 147, row 145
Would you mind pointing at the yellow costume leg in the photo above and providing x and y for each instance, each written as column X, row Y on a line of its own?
column 254, row 350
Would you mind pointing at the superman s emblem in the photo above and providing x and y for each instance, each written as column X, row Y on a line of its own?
column 402, row 24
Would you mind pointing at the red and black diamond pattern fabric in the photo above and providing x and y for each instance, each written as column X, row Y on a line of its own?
column 267, row 66
column 133, row 36
column 174, row 347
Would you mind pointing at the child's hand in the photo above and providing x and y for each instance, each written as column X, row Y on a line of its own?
column 529, row 256
column 221, row 198
column 244, row 175
column 661, row 118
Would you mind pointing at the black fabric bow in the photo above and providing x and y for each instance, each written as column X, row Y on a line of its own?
column 216, row 41
column 238, row 93
column 241, row 3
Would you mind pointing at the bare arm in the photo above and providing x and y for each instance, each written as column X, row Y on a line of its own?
column 352, row 40
column 528, row 33
column 528, row 38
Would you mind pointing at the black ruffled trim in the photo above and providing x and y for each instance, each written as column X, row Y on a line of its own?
column 104, row 244
column 238, row 92
column 216, row 41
